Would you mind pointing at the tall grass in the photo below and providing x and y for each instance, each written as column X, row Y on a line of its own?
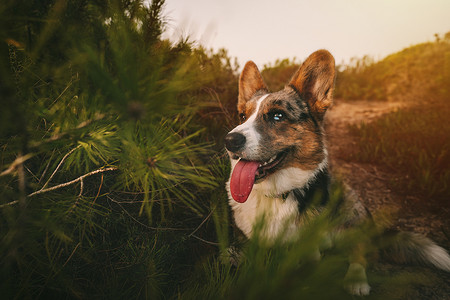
column 291, row 269
column 414, row 145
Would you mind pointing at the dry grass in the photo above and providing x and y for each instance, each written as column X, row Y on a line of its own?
column 413, row 144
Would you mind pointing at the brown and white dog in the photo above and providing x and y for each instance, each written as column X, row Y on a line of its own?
column 279, row 162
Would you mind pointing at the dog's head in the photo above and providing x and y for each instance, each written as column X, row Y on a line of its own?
column 280, row 135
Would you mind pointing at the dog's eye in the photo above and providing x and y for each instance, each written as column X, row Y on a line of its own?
column 242, row 117
column 276, row 116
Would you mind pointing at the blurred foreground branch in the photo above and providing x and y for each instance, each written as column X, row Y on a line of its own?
column 18, row 161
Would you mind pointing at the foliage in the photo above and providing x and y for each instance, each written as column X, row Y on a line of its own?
column 420, row 72
column 97, row 130
column 278, row 74
column 413, row 144
column 361, row 79
column 291, row 269
column 216, row 98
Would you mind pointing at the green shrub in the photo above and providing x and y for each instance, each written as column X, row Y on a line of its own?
column 104, row 177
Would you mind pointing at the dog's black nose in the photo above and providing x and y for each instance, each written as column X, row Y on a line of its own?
column 234, row 141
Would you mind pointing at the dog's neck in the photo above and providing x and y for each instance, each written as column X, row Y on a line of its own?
column 309, row 190
column 316, row 192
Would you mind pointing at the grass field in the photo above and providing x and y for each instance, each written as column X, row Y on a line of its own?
column 414, row 145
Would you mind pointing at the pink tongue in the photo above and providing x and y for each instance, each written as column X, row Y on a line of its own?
column 242, row 179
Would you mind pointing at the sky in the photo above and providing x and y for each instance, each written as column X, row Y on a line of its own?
column 267, row 30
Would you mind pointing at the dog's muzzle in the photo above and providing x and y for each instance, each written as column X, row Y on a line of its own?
column 234, row 141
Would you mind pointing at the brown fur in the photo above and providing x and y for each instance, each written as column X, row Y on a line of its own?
column 250, row 81
column 304, row 101
column 314, row 81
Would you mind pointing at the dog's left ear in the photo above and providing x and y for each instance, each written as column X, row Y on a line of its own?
column 250, row 82
column 314, row 81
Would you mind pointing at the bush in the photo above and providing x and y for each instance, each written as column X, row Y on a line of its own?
column 104, row 177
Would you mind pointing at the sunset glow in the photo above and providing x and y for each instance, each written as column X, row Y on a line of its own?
column 266, row 30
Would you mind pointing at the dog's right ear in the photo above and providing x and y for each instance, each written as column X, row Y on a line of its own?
column 314, row 81
column 250, row 82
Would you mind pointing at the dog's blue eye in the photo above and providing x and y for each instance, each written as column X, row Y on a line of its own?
column 278, row 116
column 242, row 117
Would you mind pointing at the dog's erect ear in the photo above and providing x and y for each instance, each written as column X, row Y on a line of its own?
column 314, row 81
column 250, row 82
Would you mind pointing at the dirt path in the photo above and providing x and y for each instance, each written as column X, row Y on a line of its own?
column 367, row 180
column 372, row 185
column 370, row 182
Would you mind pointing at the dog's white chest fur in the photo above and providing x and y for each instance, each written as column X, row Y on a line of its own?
column 273, row 213
column 266, row 205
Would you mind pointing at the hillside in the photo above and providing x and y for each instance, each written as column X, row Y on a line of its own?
column 417, row 73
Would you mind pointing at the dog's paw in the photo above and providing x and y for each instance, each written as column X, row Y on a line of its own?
column 358, row 289
column 355, row 280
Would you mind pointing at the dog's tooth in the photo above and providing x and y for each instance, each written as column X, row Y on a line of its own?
column 268, row 162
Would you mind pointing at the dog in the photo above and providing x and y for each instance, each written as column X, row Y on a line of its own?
column 279, row 164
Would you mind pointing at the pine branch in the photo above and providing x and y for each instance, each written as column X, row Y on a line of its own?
column 18, row 161
column 59, row 136
column 72, row 182
column 79, row 196
column 73, row 252
column 62, row 185
column 146, row 226
column 22, row 185
column 81, row 190
column 205, row 241
column 203, row 222
column 46, row 167
column 9, row 203
column 62, row 93
column 59, row 165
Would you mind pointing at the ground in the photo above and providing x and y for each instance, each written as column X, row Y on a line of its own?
column 372, row 185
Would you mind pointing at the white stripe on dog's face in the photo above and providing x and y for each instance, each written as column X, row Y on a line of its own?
column 252, row 145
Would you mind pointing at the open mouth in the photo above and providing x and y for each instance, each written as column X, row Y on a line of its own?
column 246, row 172
column 269, row 166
